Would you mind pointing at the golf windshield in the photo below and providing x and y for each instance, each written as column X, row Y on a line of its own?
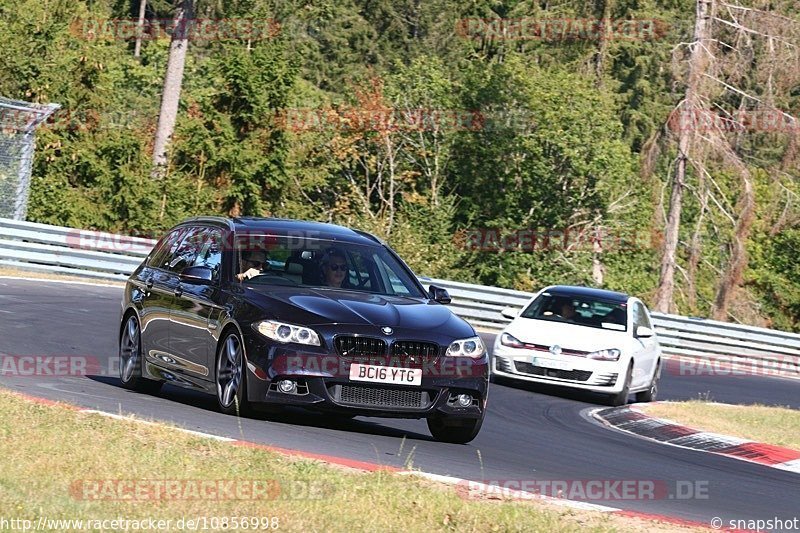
column 580, row 310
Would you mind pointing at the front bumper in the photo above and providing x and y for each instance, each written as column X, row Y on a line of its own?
column 579, row 373
column 324, row 385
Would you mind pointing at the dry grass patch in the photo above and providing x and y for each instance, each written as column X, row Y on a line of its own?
column 771, row 425
column 48, row 450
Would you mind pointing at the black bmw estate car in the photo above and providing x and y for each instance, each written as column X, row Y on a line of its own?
column 264, row 313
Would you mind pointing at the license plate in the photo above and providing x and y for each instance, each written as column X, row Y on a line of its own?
column 386, row 374
column 551, row 363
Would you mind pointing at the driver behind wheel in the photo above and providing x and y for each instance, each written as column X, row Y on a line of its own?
column 253, row 264
column 334, row 269
column 564, row 309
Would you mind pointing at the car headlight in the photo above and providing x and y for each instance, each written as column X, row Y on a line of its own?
column 471, row 347
column 281, row 332
column 511, row 341
column 611, row 354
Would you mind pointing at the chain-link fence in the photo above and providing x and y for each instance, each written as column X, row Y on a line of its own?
column 18, row 122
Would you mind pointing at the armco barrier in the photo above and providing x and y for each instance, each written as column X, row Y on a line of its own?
column 42, row 247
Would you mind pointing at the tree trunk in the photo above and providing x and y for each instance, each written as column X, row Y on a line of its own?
column 698, row 63
column 695, row 250
column 172, row 86
column 666, row 280
column 137, row 48
column 734, row 272
column 603, row 10
column 390, row 158
column 598, row 269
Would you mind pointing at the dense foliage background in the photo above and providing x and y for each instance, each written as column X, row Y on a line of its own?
column 564, row 139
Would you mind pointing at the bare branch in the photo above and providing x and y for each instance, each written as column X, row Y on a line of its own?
column 768, row 14
column 749, row 30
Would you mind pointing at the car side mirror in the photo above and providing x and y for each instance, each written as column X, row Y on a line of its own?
column 197, row 274
column 438, row 294
column 510, row 312
column 644, row 332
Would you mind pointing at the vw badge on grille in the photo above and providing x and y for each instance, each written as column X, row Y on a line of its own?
column 555, row 349
column 387, row 330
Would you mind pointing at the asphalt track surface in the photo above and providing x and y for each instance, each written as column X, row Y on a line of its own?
column 528, row 434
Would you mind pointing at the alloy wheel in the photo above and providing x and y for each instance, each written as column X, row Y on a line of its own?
column 129, row 350
column 229, row 371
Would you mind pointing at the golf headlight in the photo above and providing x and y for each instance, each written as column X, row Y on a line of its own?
column 278, row 331
column 471, row 347
column 611, row 354
column 511, row 341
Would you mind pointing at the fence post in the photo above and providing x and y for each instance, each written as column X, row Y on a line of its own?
column 18, row 123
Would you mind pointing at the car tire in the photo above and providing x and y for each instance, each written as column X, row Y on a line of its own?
column 651, row 393
column 621, row 398
column 130, row 359
column 230, row 379
column 453, row 429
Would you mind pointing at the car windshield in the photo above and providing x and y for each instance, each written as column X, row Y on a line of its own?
column 579, row 310
column 298, row 261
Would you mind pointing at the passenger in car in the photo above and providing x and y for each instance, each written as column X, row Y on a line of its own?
column 616, row 316
column 253, row 264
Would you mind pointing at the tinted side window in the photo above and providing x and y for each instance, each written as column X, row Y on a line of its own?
column 186, row 253
column 645, row 319
column 165, row 248
column 209, row 250
column 639, row 316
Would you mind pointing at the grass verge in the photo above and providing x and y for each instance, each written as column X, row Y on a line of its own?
column 771, row 425
column 50, row 455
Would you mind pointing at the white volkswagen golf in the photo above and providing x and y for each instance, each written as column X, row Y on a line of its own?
column 582, row 338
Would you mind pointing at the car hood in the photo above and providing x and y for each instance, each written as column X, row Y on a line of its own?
column 309, row 306
column 569, row 336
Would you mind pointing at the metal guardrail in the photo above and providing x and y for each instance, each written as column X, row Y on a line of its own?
column 56, row 249
column 42, row 247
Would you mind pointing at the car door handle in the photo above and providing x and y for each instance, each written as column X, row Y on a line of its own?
column 178, row 291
